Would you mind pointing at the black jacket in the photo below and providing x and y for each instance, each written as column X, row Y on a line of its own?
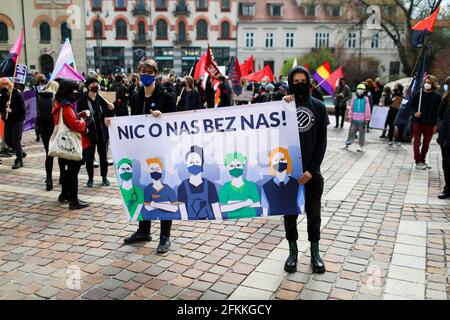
column 317, row 94
column 120, row 105
column 444, row 126
column 429, row 107
column 160, row 100
column 45, row 119
column 225, row 95
column 17, row 106
column 313, row 120
column 97, row 130
column 189, row 101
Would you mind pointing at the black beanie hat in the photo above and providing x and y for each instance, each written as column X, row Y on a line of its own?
column 90, row 80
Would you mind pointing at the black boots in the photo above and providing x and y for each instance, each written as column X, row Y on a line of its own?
column 78, row 205
column 49, row 184
column 138, row 236
column 17, row 164
column 164, row 244
column 444, row 194
column 317, row 264
column 291, row 263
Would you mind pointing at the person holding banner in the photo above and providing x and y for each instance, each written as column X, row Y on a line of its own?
column 151, row 98
column 190, row 97
column 312, row 127
column 425, row 105
column 12, row 109
column 98, row 136
column 444, row 138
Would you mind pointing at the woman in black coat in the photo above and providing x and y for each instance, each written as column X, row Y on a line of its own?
column 444, row 138
column 13, row 113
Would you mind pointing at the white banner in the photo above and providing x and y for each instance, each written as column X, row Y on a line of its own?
column 227, row 163
column 21, row 73
column 378, row 118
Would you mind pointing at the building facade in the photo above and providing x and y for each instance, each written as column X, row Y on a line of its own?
column 46, row 23
column 120, row 33
column 273, row 31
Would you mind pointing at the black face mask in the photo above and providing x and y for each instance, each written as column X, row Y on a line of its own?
column 280, row 167
column 156, row 175
column 94, row 89
column 300, row 89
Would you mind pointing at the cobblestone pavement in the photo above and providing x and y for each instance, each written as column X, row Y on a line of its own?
column 385, row 235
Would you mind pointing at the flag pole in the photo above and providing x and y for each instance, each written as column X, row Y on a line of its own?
column 10, row 94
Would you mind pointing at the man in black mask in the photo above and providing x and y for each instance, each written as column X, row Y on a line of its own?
column 312, row 127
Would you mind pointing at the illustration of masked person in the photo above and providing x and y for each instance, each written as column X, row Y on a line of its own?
column 238, row 198
column 159, row 199
column 132, row 195
column 282, row 193
column 198, row 196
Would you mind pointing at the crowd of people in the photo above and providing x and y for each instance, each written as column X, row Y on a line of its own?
column 86, row 111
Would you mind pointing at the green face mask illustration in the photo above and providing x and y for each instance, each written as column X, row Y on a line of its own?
column 236, row 172
column 126, row 176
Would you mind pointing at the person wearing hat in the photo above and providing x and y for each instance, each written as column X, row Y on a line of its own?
column 97, row 134
column 225, row 92
column 359, row 116
column 132, row 195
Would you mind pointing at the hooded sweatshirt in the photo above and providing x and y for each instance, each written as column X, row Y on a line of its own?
column 312, row 120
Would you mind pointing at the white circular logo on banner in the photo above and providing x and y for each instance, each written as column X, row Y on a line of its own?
column 305, row 119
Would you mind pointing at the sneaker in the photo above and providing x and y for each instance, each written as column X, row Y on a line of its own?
column 96, row 164
column 17, row 164
column 399, row 144
column 421, row 166
column 110, row 162
column 106, row 182
column 90, row 184
column 360, row 149
column 427, row 165
column 163, row 246
column 390, row 143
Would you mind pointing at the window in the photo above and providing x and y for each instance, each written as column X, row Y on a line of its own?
column 289, row 40
column 249, row 40
column 141, row 30
column 96, row 4
column 309, row 10
column 3, row 32
column 221, row 55
column 119, row 4
column 269, row 40
column 141, row 4
column 44, row 32
column 248, row 9
column 275, row 10
column 225, row 30
column 322, row 40
column 65, row 32
column 182, row 31
column 161, row 4
column 202, row 30
column 394, row 68
column 161, row 29
column 375, row 41
column 333, row 10
column 121, row 29
column 202, row 4
column 271, row 63
column 98, row 29
column 225, row 5
column 351, row 40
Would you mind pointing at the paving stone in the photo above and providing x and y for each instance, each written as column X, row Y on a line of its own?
column 318, row 286
column 407, row 274
column 408, row 261
column 312, row 295
column 405, row 289
column 223, row 287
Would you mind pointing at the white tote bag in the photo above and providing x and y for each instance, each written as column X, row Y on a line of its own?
column 65, row 143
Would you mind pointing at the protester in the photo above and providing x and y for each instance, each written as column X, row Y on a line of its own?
column 225, row 92
column 313, row 142
column 342, row 94
column 444, row 138
column 154, row 100
column 120, row 105
column 359, row 116
column 280, row 92
column 65, row 99
column 396, row 102
column 425, row 105
column 97, row 132
column 385, row 101
column 377, row 91
column 190, row 98
column 370, row 85
column 13, row 113
column 45, row 101
column 209, row 93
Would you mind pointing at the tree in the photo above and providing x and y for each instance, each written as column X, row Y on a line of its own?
column 313, row 59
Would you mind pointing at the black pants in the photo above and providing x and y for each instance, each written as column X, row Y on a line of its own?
column 313, row 196
column 446, row 167
column 70, row 180
column 45, row 135
column 89, row 156
column 339, row 112
column 13, row 137
column 166, row 225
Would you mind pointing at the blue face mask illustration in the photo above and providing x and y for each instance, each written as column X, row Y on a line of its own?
column 147, row 80
column 195, row 169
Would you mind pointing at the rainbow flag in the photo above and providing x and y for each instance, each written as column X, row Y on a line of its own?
column 321, row 75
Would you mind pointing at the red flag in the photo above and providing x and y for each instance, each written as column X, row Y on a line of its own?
column 258, row 76
column 335, row 76
column 248, row 67
column 200, row 67
column 422, row 29
column 306, row 66
column 211, row 64
column 327, row 66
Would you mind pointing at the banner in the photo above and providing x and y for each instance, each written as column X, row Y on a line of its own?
column 211, row 164
column 378, row 119
column 21, row 73
column 29, row 99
